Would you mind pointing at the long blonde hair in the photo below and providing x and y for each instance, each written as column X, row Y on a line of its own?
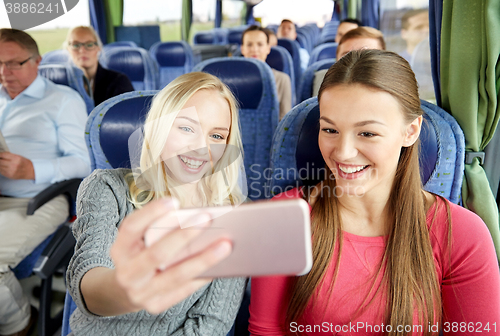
column 150, row 181
column 410, row 273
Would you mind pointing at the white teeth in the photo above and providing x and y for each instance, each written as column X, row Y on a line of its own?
column 191, row 163
column 350, row 170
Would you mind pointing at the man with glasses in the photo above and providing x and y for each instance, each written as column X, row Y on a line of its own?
column 43, row 126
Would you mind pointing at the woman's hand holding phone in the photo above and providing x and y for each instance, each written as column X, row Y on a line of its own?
column 137, row 266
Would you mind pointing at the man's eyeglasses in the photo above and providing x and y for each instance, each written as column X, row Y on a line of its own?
column 87, row 45
column 12, row 65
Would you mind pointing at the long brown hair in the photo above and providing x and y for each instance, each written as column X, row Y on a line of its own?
column 410, row 273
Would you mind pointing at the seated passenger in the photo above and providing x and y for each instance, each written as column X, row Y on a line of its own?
column 287, row 30
column 255, row 44
column 122, row 287
column 43, row 125
column 345, row 26
column 273, row 40
column 414, row 29
column 84, row 46
column 355, row 39
column 387, row 255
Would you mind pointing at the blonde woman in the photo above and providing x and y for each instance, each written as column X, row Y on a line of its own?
column 389, row 257
column 192, row 151
column 84, row 46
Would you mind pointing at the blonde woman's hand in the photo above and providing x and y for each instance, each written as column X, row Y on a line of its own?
column 136, row 282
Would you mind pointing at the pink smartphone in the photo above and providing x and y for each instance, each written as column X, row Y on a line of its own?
column 269, row 238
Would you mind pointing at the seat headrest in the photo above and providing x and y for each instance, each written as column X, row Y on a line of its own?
column 56, row 56
column 57, row 73
column 234, row 37
column 329, row 51
column 275, row 60
column 207, row 37
column 127, row 61
column 119, row 122
column 171, row 54
column 242, row 76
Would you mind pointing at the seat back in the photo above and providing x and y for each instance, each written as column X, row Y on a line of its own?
column 136, row 63
column 279, row 58
column 234, row 36
column 297, row 161
column 293, row 48
column 205, row 37
column 252, row 83
column 57, row 56
column 324, row 51
column 143, row 36
column 68, row 75
column 110, row 125
column 307, row 82
column 173, row 58
column 121, row 44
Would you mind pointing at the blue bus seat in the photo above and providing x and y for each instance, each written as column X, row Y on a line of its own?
column 252, row 83
column 144, row 36
column 121, row 44
column 297, row 161
column 56, row 56
column 66, row 74
column 50, row 256
column 234, row 36
column 324, row 51
column 205, row 37
column 293, row 48
column 306, row 84
column 173, row 58
column 136, row 63
column 279, row 58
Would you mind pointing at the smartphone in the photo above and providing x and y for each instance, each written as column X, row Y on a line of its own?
column 268, row 238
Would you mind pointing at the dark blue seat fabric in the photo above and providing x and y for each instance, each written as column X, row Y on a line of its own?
column 293, row 48
column 221, row 35
column 144, row 36
column 329, row 31
column 234, row 36
column 205, row 37
column 279, row 58
column 252, row 83
column 173, row 59
column 25, row 268
column 56, row 56
column 324, row 51
column 65, row 74
column 121, row 44
column 306, row 85
column 136, row 63
column 296, row 159
column 110, row 125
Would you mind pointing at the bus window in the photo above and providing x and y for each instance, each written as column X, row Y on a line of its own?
column 405, row 24
column 232, row 13
column 166, row 14
column 299, row 11
column 203, row 16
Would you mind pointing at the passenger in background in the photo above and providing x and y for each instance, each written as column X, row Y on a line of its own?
column 344, row 26
column 273, row 40
column 255, row 44
column 43, row 125
column 192, row 151
column 84, row 46
column 355, row 39
column 389, row 257
column 287, row 30
column 414, row 29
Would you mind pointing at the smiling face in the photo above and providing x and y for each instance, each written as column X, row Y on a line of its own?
column 255, row 45
column 83, row 58
column 361, row 134
column 16, row 81
column 198, row 136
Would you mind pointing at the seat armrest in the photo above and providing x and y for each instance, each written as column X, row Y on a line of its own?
column 57, row 253
column 67, row 187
